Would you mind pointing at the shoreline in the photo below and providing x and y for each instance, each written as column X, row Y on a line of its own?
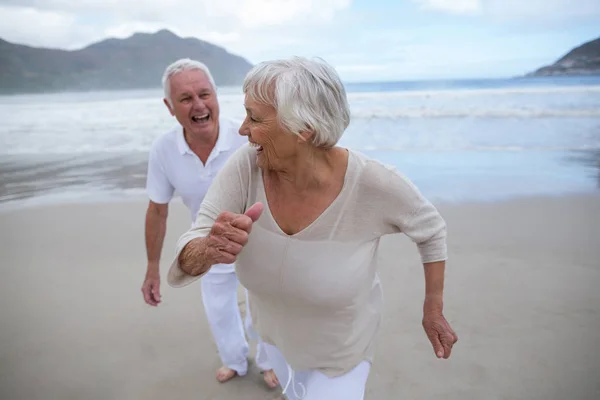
column 453, row 176
column 138, row 195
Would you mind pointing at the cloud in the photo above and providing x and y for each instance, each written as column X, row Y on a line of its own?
column 364, row 40
column 250, row 14
column 252, row 28
column 549, row 11
column 360, row 69
column 408, row 53
column 52, row 29
column 519, row 11
column 451, row 6
column 259, row 13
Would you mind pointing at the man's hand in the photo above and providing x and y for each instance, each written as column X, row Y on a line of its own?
column 151, row 286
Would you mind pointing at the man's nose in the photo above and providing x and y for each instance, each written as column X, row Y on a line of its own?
column 198, row 102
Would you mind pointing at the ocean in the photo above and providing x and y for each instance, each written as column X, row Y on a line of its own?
column 459, row 140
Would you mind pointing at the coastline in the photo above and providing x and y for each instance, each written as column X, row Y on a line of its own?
column 443, row 176
column 521, row 292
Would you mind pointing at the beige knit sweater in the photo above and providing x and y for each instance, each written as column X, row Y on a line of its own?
column 316, row 294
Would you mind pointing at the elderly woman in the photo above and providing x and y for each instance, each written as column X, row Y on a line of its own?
column 302, row 219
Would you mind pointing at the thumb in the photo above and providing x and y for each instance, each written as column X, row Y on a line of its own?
column 254, row 211
column 436, row 343
column 439, row 349
column 156, row 291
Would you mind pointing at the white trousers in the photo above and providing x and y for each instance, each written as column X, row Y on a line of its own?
column 219, row 295
column 314, row 385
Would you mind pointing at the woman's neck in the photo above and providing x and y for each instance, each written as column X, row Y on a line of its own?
column 311, row 168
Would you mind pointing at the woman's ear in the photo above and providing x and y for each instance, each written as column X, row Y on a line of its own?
column 305, row 136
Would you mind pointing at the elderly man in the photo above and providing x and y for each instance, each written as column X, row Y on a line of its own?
column 185, row 160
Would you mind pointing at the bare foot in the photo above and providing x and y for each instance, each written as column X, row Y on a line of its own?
column 224, row 374
column 270, row 379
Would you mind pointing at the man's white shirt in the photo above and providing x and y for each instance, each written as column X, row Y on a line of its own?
column 174, row 168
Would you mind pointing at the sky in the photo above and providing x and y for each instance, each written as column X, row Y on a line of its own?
column 365, row 40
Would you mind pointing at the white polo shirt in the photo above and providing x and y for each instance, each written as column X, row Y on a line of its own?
column 174, row 168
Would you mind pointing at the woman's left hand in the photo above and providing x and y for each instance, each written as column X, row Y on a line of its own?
column 438, row 330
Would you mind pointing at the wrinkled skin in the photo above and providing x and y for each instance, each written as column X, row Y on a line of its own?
column 438, row 330
column 227, row 237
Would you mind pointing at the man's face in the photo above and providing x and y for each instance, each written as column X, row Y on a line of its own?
column 194, row 103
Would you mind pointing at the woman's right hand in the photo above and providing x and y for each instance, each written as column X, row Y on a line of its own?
column 226, row 239
column 229, row 234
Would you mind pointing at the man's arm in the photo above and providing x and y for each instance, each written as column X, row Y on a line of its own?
column 155, row 230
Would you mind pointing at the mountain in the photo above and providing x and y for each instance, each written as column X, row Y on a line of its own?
column 136, row 62
column 581, row 61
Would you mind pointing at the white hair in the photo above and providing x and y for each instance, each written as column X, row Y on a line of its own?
column 307, row 94
column 183, row 64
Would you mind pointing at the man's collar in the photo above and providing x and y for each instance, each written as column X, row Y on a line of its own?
column 223, row 140
column 182, row 145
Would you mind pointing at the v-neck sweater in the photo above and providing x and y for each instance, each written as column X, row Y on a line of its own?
column 316, row 294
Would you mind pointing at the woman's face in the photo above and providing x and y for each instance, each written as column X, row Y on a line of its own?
column 273, row 143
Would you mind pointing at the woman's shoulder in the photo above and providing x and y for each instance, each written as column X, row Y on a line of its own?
column 233, row 182
column 370, row 167
column 243, row 158
column 376, row 174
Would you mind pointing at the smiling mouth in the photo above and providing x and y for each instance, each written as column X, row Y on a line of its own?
column 256, row 146
column 200, row 118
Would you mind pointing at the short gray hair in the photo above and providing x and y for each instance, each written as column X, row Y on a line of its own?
column 307, row 93
column 183, row 64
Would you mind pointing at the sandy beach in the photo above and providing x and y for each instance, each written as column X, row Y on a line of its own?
column 522, row 292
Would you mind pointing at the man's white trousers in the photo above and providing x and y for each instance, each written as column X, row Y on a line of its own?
column 219, row 295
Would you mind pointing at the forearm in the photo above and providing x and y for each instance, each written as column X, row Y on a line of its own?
column 194, row 259
column 155, row 230
column 434, row 284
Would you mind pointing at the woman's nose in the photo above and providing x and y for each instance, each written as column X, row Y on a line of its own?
column 243, row 130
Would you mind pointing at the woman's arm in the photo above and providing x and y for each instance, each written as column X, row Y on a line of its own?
column 438, row 330
column 226, row 239
column 408, row 211
column 434, row 281
column 207, row 243
column 193, row 259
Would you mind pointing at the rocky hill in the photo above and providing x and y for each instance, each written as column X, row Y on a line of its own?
column 136, row 62
column 581, row 61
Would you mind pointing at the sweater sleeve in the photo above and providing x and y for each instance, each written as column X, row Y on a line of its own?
column 227, row 192
column 406, row 210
